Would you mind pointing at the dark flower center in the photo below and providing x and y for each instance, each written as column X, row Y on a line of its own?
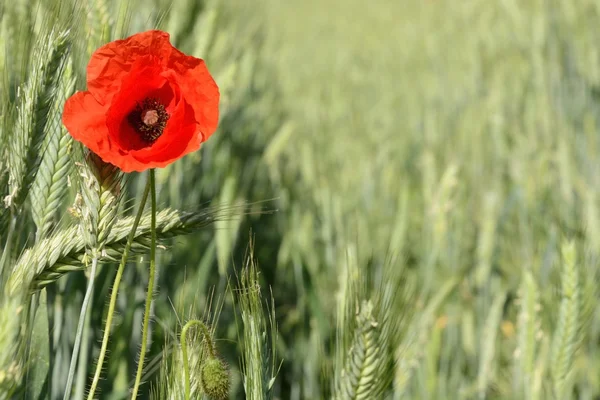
column 149, row 119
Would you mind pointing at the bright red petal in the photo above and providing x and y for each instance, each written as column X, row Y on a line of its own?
column 85, row 120
column 143, row 79
column 199, row 89
column 113, row 61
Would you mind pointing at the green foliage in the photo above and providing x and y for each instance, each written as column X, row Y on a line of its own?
column 434, row 166
column 258, row 360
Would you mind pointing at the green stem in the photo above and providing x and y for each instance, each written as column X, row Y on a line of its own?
column 33, row 305
column 84, row 350
column 82, row 315
column 115, row 291
column 50, row 300
column 183, row 339
column 7, row 244
column 150, row 292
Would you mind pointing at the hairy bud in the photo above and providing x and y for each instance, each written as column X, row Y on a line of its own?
column 214, row 377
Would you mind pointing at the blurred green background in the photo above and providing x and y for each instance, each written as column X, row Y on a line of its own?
column 461, row 135
column 449, row 148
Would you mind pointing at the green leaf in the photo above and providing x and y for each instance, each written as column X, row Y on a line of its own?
column 36, row 384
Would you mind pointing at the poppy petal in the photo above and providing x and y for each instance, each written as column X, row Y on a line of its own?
column 85, row 119
column 143, row 79
column 111, row 63
column 199, row 89
column 123, row 74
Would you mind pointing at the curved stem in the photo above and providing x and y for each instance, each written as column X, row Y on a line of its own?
column 115, row 291
column 82, row 315
column 150, row 292
column 183, row 339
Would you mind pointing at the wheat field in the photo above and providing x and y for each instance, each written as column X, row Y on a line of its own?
column 400, row 202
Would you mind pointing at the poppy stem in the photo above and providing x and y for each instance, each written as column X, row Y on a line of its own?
column 115, row 291
column 183, row 340
column 150, row 292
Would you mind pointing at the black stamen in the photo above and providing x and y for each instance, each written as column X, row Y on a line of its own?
column 149, row 119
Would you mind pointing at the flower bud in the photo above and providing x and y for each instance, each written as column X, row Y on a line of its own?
column 214, row 377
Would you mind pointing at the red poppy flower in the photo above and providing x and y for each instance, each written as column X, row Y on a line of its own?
column 147, row 103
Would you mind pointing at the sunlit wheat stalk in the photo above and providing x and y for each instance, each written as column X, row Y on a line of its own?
column 101, row 191
column 566, row 335
column 115, row 292
column 527, row 329
column 50, row 186
column 366, row 360
column 64, row 250
column 488, row 344
column 258, row 358
column 35, row 102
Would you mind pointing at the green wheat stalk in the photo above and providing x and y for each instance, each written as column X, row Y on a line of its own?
column 115, row 288
column 99, row 24
column 410, row 353
column 367, row 326
column 64, row 250
column 51, row 182
column 101, row 195
column 17, row 31
column 100, row 185
column 366, row 359
column 258, row 357
column 6, row 118
column 4, row 175
column 566, row 334
column 488, row 344
column 35, row 100
column 527, row 331
column 11, row 363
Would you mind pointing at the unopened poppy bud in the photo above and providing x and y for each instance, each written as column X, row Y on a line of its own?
column 214, row 377
column 107, row 175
